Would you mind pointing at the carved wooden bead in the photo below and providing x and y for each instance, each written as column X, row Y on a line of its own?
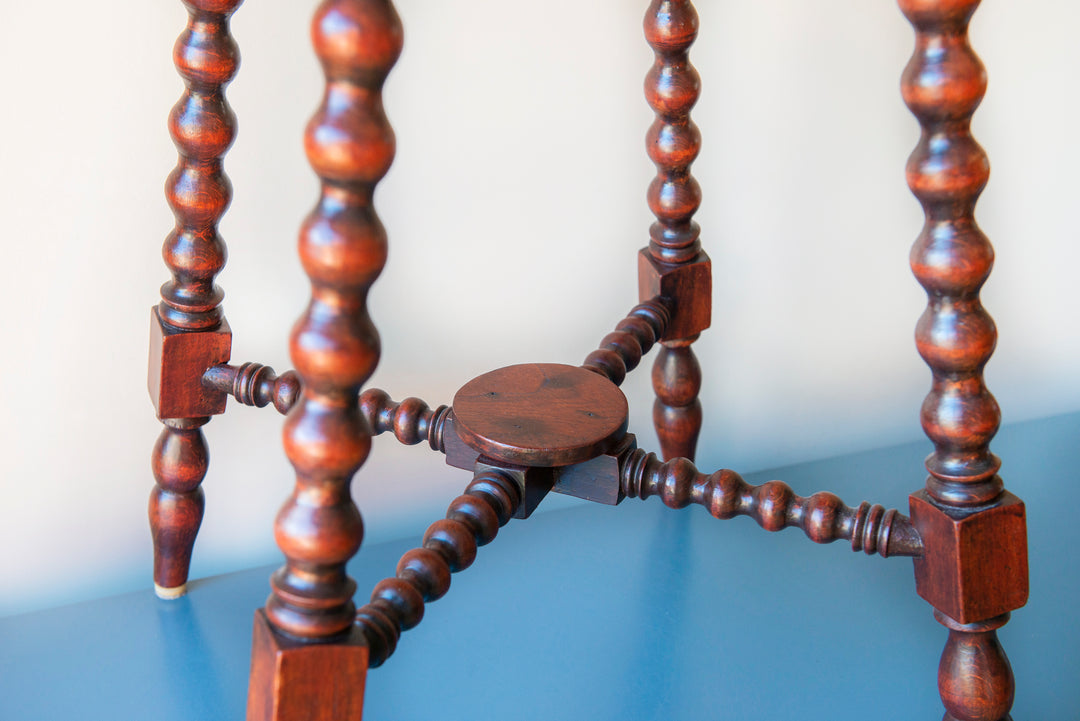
column 673, row 141
column 179, row 461
column 406, row 600
column 453, row 541
column 380, row 630
column 822, row 517
column 411, row 421
column 822, row 514
column 427, row 571
column 423, row 574
column 315, row 527
column 502, row 494
column 608, row 363
column 943, row 85
column 676, row 379
column 621, row 350
column 181, row 456
column 974, row 676
column 722, row 496
column 672, row 88
column 254, row 384
column 334, row 346
column 626, row 345
column 203, row 127
column 771, row 501
column 477, row 514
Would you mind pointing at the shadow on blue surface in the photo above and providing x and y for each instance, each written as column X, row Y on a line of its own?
column 630, row 613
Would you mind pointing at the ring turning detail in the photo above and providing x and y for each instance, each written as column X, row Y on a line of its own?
column 525, row 430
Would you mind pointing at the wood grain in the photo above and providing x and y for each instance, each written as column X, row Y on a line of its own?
column 975, row 568
column 188, row 330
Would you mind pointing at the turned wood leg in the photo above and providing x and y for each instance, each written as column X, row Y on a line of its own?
column 189, row 333
column 673, row 266
column 309, row 658
column 974, row 567
column 179, row 462
column 974, row 677
column 676, row 378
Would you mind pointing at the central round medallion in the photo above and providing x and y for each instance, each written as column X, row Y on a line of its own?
column 540, row 414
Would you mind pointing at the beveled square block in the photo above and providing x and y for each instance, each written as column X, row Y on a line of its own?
column 688, row 285
column 597, row 479
column 178, row 360
column 295, row 681
column 975, row 564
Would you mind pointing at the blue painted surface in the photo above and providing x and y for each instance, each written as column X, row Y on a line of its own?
column 634, row 612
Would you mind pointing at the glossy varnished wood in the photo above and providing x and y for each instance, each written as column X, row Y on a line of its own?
column 674, row 266
column 254, row 384
column 975, row 569
column 423, row 574
column 621, row 350
column 540, row 414
column 188, row 330
column 823, row 517
column 411, row 421
column 335, row 348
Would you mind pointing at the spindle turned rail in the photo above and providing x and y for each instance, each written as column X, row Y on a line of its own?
column 527, row 430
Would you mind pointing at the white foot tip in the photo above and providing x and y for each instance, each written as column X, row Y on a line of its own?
column 170, row 594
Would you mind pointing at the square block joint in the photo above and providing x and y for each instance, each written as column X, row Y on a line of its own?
column 597, row 479
column 178, row 360
column 975, row 564
column 296, row 681
column 534, row 483
column 688, row 286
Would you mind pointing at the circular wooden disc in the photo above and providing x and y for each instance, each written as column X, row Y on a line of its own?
column 540, row 414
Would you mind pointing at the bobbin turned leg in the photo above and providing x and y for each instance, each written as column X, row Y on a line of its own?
column 188, row 331
column 974, row 567
column 308, row 660
column 674, row 266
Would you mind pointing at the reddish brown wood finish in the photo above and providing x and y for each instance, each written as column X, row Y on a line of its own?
column 310, row 681
column 622, row 350
column 179, row 462
column 188, row 331
column 423, row 574
column 673, row 265
column 822, row 517
column 974, row 676
column 411, row 421
column 540, row 415
column 676, row 380
column 975, row 569
column 334, row 345
column 254, row 384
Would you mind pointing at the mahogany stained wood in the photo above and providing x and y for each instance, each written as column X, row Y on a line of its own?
column 822, row 517
column 975, row 569
column 673, row 265
column 621, row 350
column 188, row 330
column 540, row 414
column 423, row 574
column 528, row 428
column 310, row 681
column 254, row 384
column 335, row 348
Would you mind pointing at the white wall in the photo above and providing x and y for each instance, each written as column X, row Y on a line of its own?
column 514, row 209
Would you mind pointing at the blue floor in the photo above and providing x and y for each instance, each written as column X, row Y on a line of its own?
column 631, row 613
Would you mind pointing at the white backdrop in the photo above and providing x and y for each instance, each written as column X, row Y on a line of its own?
column 514, row 211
